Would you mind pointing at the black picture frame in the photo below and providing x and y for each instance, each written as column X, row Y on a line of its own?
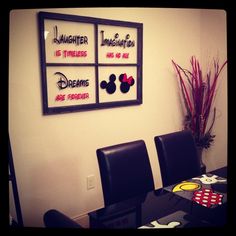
column 97, row 61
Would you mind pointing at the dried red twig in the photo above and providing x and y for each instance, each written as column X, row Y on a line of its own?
column 198, row 94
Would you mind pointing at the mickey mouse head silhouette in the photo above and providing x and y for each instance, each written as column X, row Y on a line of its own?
column 125, row 83
column 110, row 86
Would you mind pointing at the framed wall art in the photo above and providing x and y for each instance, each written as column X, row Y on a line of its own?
column 89, row 63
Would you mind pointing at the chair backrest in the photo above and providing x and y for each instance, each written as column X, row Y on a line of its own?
column 125, row 171
column 56, row 219
column 178, row 157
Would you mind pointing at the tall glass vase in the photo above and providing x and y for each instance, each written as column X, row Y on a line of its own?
column 202, row 165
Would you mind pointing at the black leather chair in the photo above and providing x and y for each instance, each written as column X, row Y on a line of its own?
column 178, row 157
column 125, row 171
column 56, row 219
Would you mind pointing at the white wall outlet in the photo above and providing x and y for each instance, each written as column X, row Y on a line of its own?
column 90, row 182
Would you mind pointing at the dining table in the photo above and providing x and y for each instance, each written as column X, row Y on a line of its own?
column 197, row 202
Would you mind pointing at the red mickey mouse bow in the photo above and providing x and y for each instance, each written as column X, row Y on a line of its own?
column 128, row 80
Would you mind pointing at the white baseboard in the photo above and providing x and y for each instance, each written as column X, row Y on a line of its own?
column 83, row 220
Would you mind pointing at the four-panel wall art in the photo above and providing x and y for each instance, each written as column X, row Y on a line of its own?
column 89, row 63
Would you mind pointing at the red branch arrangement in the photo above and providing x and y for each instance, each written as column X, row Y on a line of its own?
column 198, row 93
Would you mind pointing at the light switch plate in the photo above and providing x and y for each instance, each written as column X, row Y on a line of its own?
column 90, row 182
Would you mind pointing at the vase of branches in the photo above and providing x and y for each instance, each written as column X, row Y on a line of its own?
column 202, row 165
column 198, row 93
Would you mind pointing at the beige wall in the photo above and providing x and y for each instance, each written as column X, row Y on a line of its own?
column 213, row 44
column 54, row 154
